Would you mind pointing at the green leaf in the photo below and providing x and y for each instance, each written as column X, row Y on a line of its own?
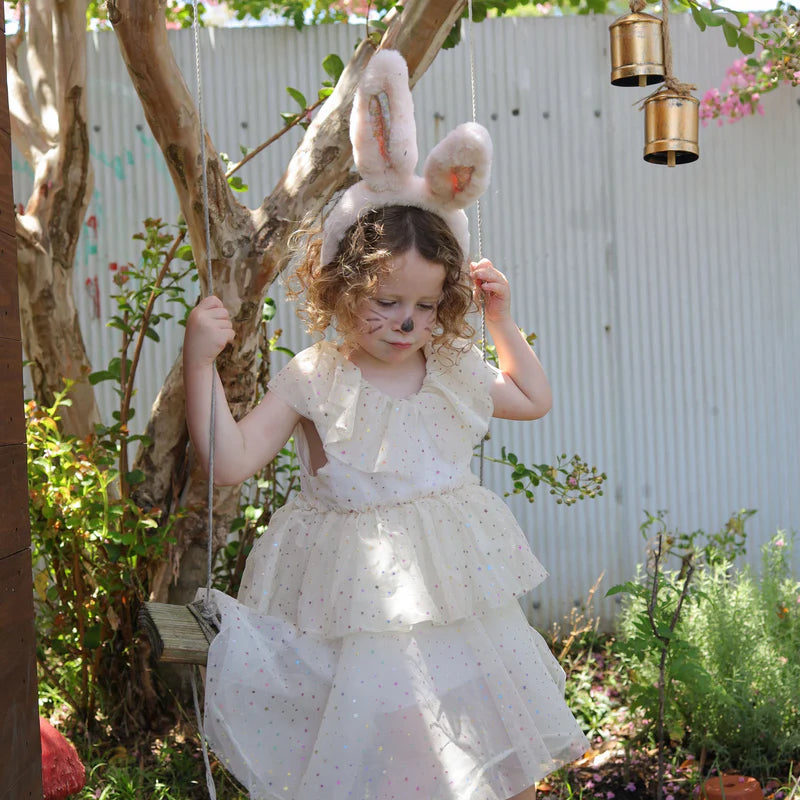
column 698, row 20
column 151, row 334
column 333, row 65
column 297, row 96
column 731, row 33
column 114, row 552
column 134, row 477
column 100, row 376
column 630, row 587
column 747, row 46
column 184, row 253
column 236, row 183
column 710, row 18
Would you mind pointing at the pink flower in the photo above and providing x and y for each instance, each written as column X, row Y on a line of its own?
column 631, row 787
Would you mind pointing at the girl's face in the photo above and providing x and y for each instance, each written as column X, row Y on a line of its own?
column 399, row 319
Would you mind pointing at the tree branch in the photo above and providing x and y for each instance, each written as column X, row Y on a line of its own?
column 41, row 63
column 170, row 110
column 27, row 131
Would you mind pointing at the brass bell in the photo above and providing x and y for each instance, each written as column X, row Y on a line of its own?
column 671, row 128
column 637, row 50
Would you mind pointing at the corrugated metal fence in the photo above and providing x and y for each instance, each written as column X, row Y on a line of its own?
column 664, row 299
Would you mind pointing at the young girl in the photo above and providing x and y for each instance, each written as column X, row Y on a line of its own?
column 377, row 650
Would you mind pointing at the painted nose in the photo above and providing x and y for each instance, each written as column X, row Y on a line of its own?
column 407, row 325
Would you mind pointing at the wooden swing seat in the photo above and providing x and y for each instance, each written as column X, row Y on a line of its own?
column 177, row 634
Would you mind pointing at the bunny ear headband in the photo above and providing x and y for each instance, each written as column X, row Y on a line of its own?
column 384, row 137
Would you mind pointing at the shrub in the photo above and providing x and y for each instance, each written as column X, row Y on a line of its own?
column 746, row 628
column 91, row 551
column 731, row 671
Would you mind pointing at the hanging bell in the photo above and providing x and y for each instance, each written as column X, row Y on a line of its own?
column 671, row 128
column 637, row 50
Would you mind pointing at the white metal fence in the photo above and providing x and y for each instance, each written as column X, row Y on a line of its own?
column 664, row 299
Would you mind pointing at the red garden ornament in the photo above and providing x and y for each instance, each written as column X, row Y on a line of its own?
column 732, row 787
column 63, row 774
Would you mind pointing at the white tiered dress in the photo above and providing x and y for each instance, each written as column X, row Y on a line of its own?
column 377, row 650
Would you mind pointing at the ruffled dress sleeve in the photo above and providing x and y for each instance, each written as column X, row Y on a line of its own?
column 306, row 381
column 465, row 378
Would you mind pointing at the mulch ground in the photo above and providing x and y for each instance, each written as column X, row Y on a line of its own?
column 608, row 773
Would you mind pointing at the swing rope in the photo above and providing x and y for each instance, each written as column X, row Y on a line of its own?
column 205, row 609
column 474, row 98
column 209, row 291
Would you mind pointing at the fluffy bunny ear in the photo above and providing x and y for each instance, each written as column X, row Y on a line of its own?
column 457, row 170
column 382, row 127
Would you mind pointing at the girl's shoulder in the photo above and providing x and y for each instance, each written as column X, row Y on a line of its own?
column 461, row 361
column 319, row 354
column 308, row 377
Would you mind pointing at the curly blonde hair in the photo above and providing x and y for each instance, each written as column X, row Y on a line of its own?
column 331, row 294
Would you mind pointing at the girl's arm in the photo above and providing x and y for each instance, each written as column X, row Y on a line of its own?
column 240, row 449
column 521, row 391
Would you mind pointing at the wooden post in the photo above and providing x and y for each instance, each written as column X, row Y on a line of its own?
column 21, row 764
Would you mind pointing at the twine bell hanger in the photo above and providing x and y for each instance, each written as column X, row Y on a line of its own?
column 671, row 114
column 641, row 54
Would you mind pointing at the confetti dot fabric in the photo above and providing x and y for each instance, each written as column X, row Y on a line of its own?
column 376, row 650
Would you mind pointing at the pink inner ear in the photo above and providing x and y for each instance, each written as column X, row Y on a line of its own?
column 460, row 178
column 380, row 119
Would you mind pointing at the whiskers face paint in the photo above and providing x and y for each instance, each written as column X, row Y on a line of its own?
column 400, row 318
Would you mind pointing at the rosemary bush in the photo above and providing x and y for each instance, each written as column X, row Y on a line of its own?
column 732, row 674
column 746, row 628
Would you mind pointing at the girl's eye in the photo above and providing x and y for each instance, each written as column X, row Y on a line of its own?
column 384, row 303
column 426, row 306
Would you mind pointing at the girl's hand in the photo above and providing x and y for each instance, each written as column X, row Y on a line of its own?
column 208, row 331
column 492, row 286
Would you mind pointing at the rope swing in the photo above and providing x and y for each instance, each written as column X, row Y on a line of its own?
column 478, row 220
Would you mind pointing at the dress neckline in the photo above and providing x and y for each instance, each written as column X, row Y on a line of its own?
column 427, row 352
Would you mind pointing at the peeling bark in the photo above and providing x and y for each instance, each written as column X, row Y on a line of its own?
column 50, row 129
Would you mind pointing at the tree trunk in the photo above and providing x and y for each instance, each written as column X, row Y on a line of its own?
column 50, row 130
column 249, row 247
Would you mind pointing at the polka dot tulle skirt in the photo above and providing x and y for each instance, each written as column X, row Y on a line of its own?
column 376, row 650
